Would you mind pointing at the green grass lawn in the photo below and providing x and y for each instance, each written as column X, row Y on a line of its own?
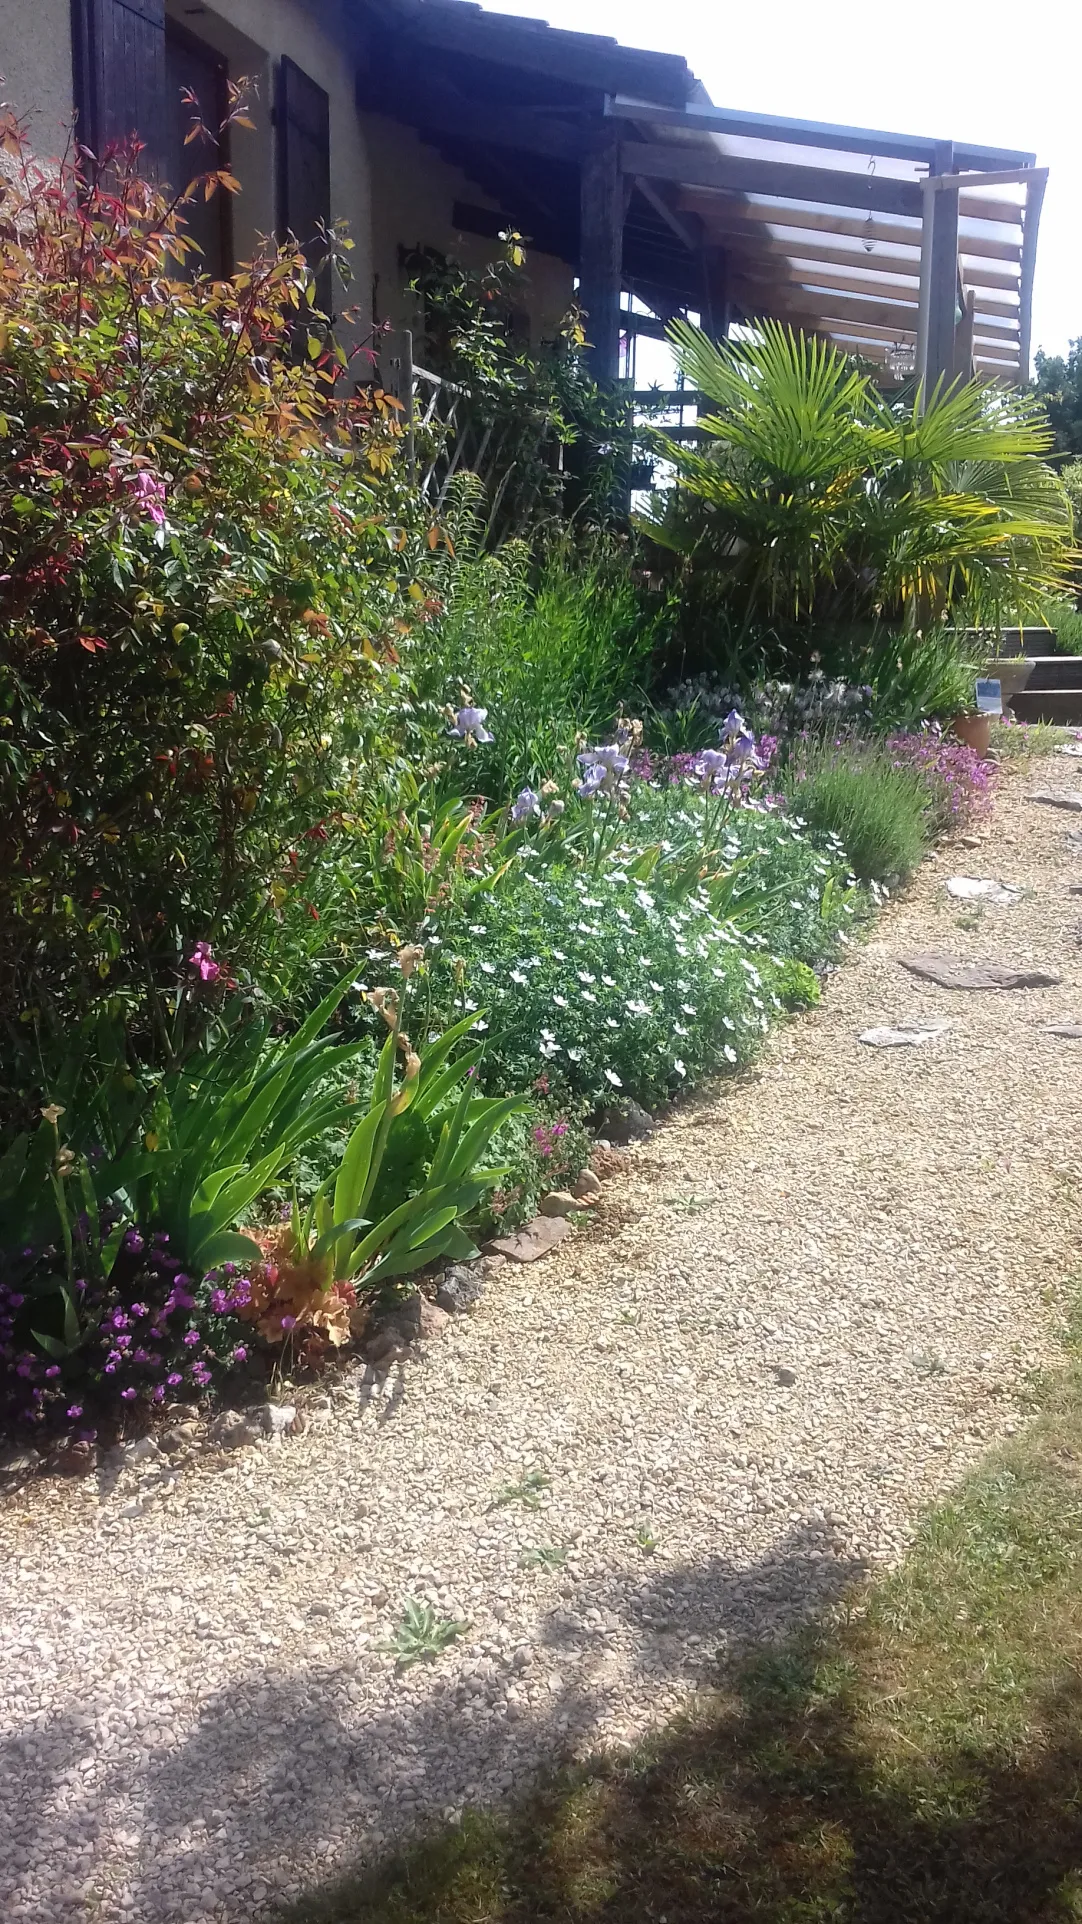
column 920, row 1758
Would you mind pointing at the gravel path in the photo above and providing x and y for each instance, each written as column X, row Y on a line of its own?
column 805, row 1307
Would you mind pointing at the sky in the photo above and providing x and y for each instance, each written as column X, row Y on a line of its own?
column 1007, row 75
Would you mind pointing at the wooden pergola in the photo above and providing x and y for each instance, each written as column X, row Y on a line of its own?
column 915, row 253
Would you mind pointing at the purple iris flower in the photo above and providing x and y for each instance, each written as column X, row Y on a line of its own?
column 594, row 782
column 525, row 804
column 470, row 725
column 612, row 759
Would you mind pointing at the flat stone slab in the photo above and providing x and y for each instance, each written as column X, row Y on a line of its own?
column 1073, row 749
column 534, row 1239
column 905, row 1035
column 951, row 973
column 1071, row 1031
column 967, row 888
column 1059, row 798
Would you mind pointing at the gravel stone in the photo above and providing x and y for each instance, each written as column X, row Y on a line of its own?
column 188, row 1740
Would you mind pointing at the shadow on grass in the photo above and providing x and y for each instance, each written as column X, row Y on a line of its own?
column 921, row 1760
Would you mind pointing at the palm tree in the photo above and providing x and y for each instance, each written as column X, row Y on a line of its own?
column 820, row 506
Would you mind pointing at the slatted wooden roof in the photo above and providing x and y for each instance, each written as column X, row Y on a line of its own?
column 826, row 226
column 823, row 224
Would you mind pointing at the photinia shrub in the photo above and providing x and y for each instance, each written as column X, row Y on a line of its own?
column 207, row 562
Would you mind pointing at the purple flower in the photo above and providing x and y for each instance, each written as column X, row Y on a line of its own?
column 612, row 759
column 525, row 804
column 174, row 1379
column 469, row 726
column 219, row 1301
column 593, row 783
column 289, row 1322
column 53, row 1370
column 128, row 1395
column 191, row 1337
column 139, row 1309
column 240, row 1354
column 74, row 1410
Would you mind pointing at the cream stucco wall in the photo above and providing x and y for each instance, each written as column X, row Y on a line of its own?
column 35, row 60
column 387, row 186
column 413, row 195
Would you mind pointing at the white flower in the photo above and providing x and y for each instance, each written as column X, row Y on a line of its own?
column 517, row 976
column 488, row 968
column 585, row 976
column 478, row 928
column 678, row 1029
column 608, row 981
column 624, row 916
column 547, row 1035
column 558, row 955
column 686, row 1009
column 757, row 1002
column 730, row 1053
column 611, row 1076
column 726, row 1024
column 550, row 1049
column 480, row 1026
column 588, row 995
column 678, row 1066
column 560, row 1001
column 575, row 1054
column 611, row 1023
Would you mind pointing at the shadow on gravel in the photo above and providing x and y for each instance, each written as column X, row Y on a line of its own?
column 287, row 1769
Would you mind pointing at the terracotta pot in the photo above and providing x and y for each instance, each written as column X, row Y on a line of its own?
column 1011, row 672
column 975, row 730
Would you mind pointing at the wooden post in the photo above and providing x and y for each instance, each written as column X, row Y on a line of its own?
column 942, row 273
column 1034, row 199
column 963, row 337
column 601, row 249
column 717, row 307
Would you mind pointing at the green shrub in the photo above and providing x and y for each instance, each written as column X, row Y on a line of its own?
column 201, row 604
column 878, row 812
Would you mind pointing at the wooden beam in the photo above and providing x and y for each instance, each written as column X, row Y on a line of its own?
column 699, row 167
column 852, row 284
column 813, row 251
column 727, row 207
column 677, row 224
column 717, row 289
column 809, row 133
column 829, row 186
column 602, row 207
column 1034, row 202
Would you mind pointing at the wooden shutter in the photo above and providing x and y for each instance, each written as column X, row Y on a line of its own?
column 119, row 60
column 303, row 123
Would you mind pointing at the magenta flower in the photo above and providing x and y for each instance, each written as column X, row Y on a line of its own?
column 148, row 491
column 202, row 961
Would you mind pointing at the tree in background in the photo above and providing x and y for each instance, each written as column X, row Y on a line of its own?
column 1059, row 386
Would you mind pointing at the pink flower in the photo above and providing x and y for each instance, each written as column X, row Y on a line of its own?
column 202, row 961
column 149, row 492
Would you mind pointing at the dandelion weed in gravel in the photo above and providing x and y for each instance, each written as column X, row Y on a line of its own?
column 420, row 1636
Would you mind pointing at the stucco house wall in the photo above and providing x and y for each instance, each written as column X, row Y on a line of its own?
column 392, row 191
